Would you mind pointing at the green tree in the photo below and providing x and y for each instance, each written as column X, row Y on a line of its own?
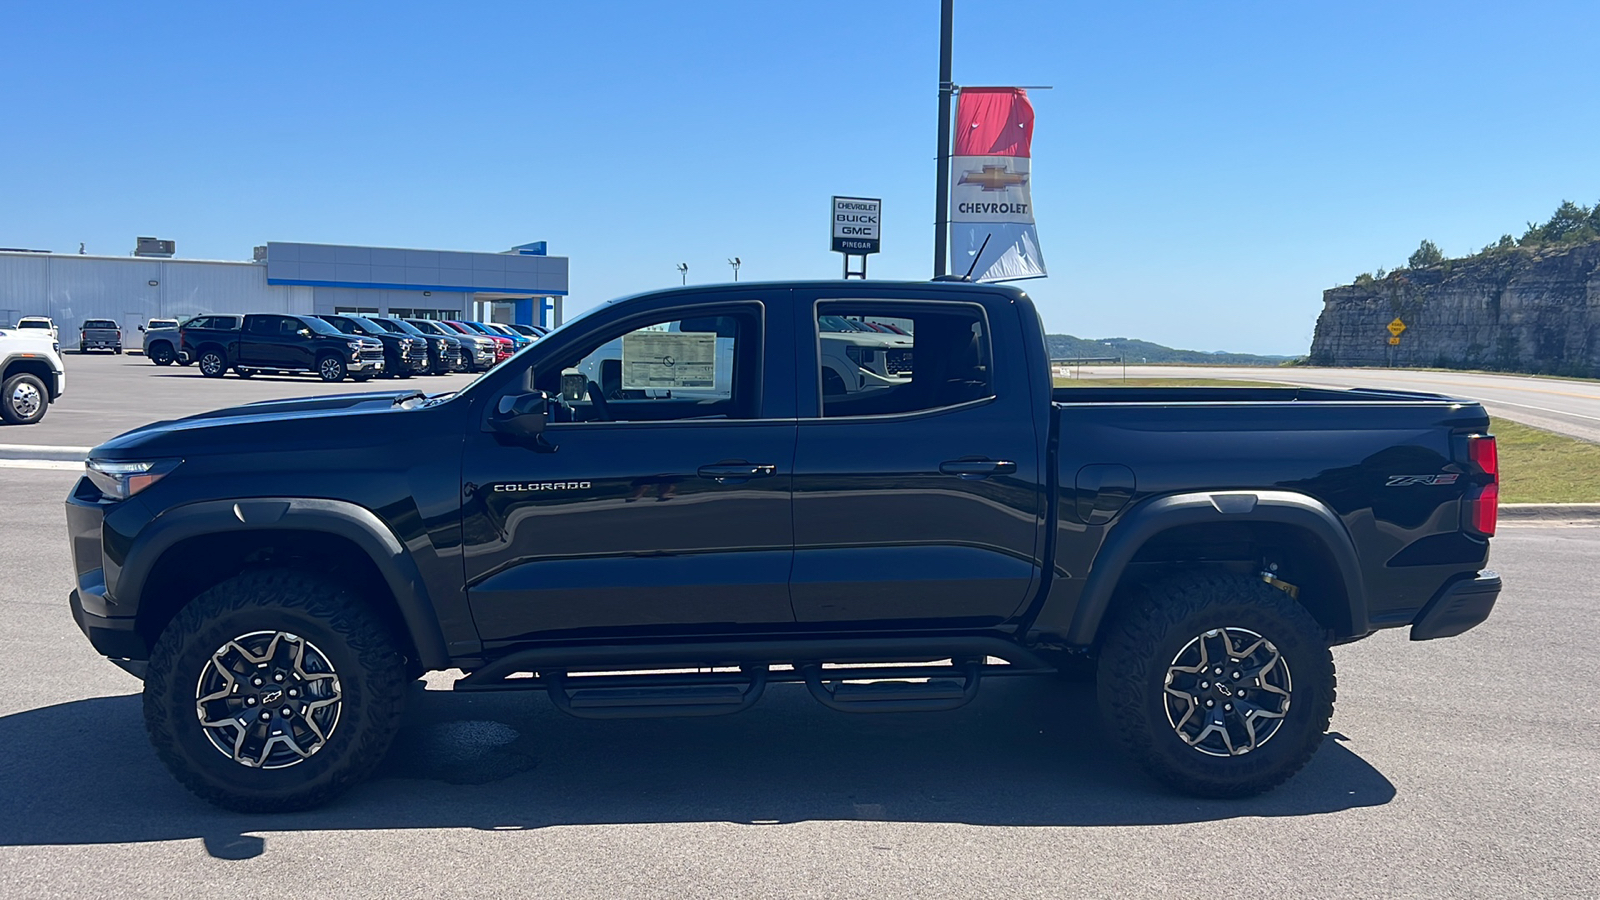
column 1428, row 254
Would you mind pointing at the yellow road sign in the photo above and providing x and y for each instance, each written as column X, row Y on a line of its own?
column 1395, row 339
column 1396, row 327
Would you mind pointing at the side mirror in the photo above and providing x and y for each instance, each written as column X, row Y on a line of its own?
column 304, row 332
column 522, row 416
column 573, row 385
column 141, row 327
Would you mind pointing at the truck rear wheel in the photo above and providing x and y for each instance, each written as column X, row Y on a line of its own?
column 273, row 691
column 1219, row 685
column 213, row 364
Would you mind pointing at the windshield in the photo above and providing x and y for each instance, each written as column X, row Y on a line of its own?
column 366, row 325
column 398, row 327
column 321, row 327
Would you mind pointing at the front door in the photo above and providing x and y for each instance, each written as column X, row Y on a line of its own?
column 919, row 492
column 265, row 341
column 659, row 506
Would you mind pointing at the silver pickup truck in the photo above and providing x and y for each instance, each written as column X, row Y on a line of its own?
column 161, row 344
column 99, row 334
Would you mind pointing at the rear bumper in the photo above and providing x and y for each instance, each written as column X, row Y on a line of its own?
column 1457, row 607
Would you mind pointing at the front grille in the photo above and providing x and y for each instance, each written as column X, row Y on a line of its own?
column 370, row 355
column 897, row 362
column 450, row 351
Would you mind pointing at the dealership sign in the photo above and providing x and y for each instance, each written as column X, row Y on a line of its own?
column 856, row 225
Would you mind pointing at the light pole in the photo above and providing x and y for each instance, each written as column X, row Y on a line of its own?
column 941, row 192
column 735, row 263
column 683, row 269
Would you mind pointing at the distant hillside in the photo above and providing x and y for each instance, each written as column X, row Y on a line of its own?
column 1065, row 346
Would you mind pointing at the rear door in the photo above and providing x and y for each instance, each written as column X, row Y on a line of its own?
column 919, row 492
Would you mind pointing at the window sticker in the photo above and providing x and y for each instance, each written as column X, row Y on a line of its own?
column 671, row 360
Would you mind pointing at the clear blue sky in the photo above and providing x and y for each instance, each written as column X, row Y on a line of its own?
column 1202, row 170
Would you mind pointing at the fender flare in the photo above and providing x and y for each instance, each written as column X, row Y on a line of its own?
column 355, row 523
column 1145, row 521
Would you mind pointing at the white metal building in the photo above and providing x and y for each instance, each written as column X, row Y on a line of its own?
column 521, row 285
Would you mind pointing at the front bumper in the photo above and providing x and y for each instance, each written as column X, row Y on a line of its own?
column 1457, row 607
column 111, row 636
column 365, row 365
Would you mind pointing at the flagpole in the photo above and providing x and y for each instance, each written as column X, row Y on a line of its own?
column 941, row 194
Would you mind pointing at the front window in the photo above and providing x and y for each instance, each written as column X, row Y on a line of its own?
column 703, row 367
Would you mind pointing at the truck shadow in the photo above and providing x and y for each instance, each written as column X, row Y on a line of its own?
column 1028, row 752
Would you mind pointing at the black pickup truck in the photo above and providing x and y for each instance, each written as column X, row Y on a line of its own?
column 663, row 508
column 403, row 355
column 272, row 342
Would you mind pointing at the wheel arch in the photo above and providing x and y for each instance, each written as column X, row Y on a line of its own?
column 192, row 547
column 1282, row 519
column 30, row 365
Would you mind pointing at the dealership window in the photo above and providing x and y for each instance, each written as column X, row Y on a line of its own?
column 355, row 310
column 436, row 315
column 876, row 360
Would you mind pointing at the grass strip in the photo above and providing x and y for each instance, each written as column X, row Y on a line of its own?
column 1537, row 466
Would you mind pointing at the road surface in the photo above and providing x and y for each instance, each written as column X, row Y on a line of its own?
column 1564, row 406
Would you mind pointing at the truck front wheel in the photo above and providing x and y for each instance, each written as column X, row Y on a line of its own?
column 331, row 368
column 1219, row 685
column 23, row 399
column 273, row 691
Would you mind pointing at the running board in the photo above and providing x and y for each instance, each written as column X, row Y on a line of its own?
column 876, row 690
column 655, row 696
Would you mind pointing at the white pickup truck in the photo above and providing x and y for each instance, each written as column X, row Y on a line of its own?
column 31, row 374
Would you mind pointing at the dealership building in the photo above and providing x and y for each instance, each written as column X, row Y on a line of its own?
column 522, row 285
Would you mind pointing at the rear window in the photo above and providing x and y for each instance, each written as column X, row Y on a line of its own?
column 99, row 323
column 34, row 324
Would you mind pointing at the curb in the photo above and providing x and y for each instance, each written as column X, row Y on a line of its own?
column 1550, row 512
column 48, row 452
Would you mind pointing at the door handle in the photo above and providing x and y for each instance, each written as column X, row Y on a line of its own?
column 737, row 472
column 977, row 469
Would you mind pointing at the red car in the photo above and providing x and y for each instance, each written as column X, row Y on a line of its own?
column 503, row 347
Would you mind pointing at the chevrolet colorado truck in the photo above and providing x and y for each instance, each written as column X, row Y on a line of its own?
column 675, row 545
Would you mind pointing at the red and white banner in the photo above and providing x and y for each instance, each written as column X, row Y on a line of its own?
column 990, row 197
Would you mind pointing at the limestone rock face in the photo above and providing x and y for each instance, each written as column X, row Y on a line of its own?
column 1519, row 310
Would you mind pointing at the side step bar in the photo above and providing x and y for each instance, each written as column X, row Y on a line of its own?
column 654, row 696
column 886, row 691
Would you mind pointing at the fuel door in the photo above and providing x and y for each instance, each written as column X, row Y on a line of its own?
column 1103, row 489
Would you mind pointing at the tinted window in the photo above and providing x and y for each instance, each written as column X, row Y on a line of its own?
column 34, row 324
column 99, row 323
column 877, row 359
column 265, row 324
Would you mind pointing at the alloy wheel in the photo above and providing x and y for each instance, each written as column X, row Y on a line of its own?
column 1227, row 691
column 268, row 699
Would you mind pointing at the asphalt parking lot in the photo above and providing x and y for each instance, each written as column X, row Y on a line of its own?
column 1456, row 768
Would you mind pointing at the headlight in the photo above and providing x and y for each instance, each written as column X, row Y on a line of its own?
column 120, row 480
column 355, row 345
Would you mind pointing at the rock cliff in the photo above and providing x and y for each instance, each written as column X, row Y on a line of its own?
column 1519, row 310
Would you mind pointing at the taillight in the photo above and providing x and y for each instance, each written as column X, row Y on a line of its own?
column 1483, row 501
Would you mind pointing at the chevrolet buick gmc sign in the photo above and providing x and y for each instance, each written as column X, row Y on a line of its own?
column 855, row 225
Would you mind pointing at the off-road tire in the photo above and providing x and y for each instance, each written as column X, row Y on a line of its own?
column 371, row 677
column 32, row 403
column 1142, row 641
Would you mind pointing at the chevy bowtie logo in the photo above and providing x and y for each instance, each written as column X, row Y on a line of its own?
column 993, row 178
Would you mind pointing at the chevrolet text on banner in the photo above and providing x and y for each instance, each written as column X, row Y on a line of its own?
column 990, row 197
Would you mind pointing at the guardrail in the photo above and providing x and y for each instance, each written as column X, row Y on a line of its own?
column 1072, row 366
